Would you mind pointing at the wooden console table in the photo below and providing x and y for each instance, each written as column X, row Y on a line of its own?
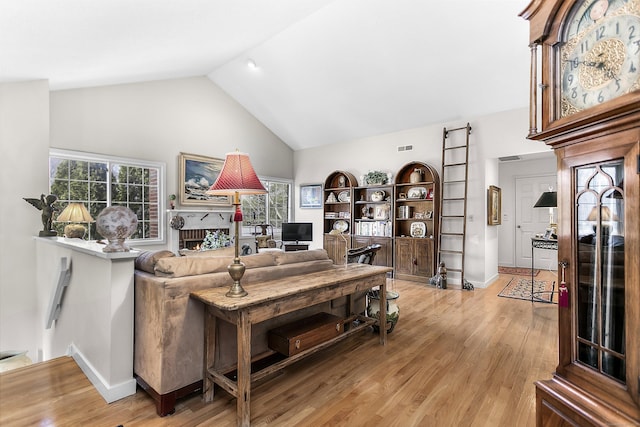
column 270, row 299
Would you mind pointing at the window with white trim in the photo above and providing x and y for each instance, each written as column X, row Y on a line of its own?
column 272, row 208
column 100, row 181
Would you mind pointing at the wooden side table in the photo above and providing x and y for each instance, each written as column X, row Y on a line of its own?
column 271, row 299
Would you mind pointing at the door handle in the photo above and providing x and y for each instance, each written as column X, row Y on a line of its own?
column 517, row 226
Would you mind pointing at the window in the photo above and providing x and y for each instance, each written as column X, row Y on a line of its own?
column 99, row 181
column 272, row 208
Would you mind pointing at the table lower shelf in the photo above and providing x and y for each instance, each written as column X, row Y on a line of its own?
column 231, row 386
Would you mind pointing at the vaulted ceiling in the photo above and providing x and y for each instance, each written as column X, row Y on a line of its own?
column 315, row 72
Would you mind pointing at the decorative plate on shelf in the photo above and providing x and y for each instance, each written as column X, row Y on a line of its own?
column 418, row 229
column 416, row 193
column 342, row 225
column 343, row 196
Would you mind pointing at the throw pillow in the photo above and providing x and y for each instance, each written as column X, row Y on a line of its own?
column 147, row 260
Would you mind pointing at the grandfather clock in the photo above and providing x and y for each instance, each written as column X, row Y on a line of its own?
column 585, row 104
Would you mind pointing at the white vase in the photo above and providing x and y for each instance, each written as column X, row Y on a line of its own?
column 416, row 176
column 393, row 311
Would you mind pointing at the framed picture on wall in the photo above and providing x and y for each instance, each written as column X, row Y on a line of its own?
column 494, row 205
column 311, row 196
column 196, row 175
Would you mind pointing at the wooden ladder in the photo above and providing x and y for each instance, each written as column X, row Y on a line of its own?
column 453, row 205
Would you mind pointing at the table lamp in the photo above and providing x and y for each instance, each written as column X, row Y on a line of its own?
column 74, row 214
column 548, row 199
column 237, row 177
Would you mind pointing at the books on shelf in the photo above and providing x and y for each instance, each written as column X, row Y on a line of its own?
column 373, row 228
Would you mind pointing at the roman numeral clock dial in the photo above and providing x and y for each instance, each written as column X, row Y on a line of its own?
column 600, row 60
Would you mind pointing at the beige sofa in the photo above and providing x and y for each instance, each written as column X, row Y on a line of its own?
column 168, row 347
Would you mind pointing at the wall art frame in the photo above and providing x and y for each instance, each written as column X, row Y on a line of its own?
column 311, row 196
column 196, row 175
column 494, row 205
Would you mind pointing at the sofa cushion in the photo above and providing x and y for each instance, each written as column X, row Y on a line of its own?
column 283, row 258
column 191, row 266
column 228, row 251
column 147, row 260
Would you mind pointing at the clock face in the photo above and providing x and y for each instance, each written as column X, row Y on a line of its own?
column 601, row 59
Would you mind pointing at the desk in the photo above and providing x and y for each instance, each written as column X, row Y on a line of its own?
column 268, row 300
column 541, row 244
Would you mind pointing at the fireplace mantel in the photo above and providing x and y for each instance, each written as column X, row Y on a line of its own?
column 199, row 219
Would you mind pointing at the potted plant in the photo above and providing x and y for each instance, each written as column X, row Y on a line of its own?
column 375, row 178
column 172, row 201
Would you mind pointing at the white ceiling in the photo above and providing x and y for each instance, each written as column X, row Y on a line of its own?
column 328, row 71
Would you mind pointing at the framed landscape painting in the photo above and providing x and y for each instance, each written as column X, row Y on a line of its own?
column 197, row 174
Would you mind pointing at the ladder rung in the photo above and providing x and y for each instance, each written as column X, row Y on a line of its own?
column 450, row 252
column 456, row 147
column 452, row 216
column 451, row 234
column 454, row 182
column 452, row 198
column 454, row 270
column 464, row 127
column 454, row 164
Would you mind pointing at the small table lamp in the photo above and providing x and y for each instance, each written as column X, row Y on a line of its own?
column 75, row 213
column 549, row 199
column 237, row 177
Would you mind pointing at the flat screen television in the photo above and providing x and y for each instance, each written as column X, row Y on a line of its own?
column 297, row 232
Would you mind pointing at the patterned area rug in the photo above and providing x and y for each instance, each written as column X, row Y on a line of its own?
column 520, row 288
column 518, row 271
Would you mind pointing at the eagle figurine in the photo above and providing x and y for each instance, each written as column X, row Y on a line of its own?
column 45, row 204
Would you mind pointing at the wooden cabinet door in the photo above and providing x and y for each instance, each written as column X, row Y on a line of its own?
column 424, row 257
column 384, row 257
column 361, row 241
column 336, row 247
column 404, row 256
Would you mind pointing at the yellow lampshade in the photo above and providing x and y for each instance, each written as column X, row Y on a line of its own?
column 75, row 213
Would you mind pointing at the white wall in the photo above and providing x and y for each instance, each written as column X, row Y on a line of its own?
column 158, row 120
column 24, row 142
column 492, row 136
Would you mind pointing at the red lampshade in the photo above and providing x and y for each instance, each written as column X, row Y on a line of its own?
column 237, row 176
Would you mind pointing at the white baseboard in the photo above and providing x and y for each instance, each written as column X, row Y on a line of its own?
column 489, row 281
column 109, row 392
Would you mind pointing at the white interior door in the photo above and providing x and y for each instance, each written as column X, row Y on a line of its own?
column 531, row 221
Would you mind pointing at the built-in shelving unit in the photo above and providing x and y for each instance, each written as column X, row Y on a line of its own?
column 417, row 201
column 337, row 214
column 373, row 220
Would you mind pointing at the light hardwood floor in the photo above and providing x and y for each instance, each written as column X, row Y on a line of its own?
column 455, row 358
